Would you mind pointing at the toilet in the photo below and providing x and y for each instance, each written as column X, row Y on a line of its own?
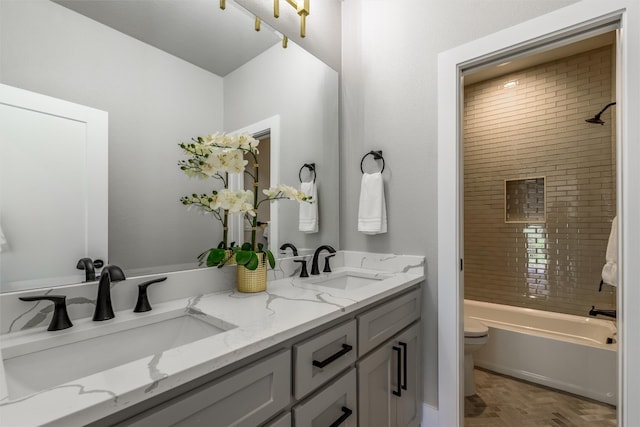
column 476, row 335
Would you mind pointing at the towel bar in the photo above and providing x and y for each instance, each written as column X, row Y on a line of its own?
column 312, row 169
column 377, row 155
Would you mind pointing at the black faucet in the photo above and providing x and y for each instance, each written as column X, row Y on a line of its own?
column 142, row 304
column 86, row 264
column 104, row 310
column 60, row 319
column 609, row 313
column 303, row 271
column 290, row 245
column 314, row 263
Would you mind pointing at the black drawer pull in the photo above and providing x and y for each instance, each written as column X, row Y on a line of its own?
column 404, row 363
column 398, row 392
column 346, row 348
column 347, row 413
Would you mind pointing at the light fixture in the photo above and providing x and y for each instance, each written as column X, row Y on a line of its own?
column 302, row 9
column 510, row 84
column 301, row 6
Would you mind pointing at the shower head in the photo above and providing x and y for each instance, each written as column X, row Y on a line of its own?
column 596, row 119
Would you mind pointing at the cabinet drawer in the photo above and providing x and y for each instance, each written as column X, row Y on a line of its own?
column 336, row 404
column 378, row 325
column 322, row 357
column 244, row 398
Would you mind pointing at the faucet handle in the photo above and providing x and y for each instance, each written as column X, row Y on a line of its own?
column 142, row 304
column 304, row 272
column 327, row 267
column 60, row 319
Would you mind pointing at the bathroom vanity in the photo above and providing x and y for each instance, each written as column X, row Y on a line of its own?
column 293, row 355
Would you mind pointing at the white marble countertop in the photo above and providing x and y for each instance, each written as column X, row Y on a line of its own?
column 289, row 307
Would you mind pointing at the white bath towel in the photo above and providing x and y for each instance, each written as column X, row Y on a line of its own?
column 610, row 269
column 372, row 212
column 308, row 220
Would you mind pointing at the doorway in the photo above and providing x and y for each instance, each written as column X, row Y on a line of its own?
column 556, row 28
column 539, row 189
column 264, row 178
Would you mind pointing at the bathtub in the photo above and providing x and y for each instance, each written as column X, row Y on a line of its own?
column 557, row 350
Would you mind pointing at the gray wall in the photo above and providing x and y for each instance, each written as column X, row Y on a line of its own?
column 154, row 101
column 302, row 90
column 389, row 88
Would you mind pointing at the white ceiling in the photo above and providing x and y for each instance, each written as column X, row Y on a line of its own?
column 197, row 31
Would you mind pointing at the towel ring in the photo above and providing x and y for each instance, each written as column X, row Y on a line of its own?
column 312, row 169
column 377, row 155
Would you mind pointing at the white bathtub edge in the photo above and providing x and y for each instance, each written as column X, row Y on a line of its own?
column 548, row 382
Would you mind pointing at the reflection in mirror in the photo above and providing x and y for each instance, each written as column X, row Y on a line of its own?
column 49, row 144
column 159, row 86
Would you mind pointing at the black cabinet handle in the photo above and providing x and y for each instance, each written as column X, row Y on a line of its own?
column 346, row 414
column 346, row 348
column 404, row 364
column 398, row 392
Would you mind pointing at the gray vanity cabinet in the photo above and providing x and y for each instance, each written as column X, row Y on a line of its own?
column 343, row 375
column 381, row 323
column 322, row 357
column 282, row 421
column 336, row 404
column 389, row 382
column 245, row 397
column 389, row 377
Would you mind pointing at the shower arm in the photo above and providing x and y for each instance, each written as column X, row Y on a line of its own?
column 605, row 108
column 597, row 116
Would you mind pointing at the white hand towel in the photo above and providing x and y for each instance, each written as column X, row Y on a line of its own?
column 372, row 212
column 308, row 219
column 610, row 269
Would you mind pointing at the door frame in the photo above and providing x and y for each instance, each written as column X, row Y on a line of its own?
column 236, row 181
column 546, row 30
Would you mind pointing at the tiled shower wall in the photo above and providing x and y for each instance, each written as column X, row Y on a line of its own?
column 537, row 129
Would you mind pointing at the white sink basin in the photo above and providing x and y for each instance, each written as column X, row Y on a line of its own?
column 49, row 359
column 346, row 280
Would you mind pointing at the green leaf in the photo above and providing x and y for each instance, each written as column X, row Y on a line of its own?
column 246, row 246
column 270, row 258
column 243, row 257
column 215, row 257
column 260, row 246
column 253, row 262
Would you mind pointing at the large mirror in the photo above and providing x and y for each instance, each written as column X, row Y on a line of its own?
column 166, row 71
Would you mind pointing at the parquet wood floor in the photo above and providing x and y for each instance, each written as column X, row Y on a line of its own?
column 503, row 401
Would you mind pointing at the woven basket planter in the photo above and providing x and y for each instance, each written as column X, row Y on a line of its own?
column 230, row 257
column 253, row 280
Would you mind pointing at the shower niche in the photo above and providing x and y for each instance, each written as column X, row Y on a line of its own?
column 524, row 200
